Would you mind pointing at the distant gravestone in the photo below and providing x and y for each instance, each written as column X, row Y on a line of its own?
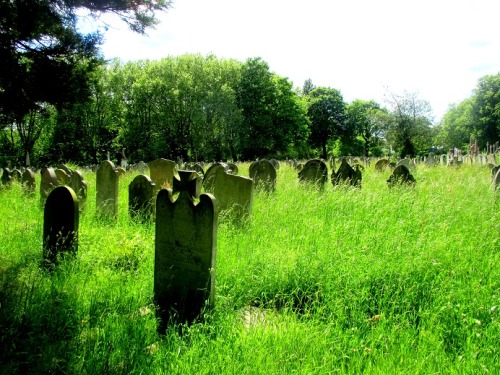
column 141, row 195
column 66, row 169
column 140, row 167
column 314, row 171
column 79, row 186
column 346, row 175
column 401, row 175
column 275, row 163
column 28, row 181
column 63, row 178
column 210, row 175
column 16, row 175
column 197, row 168
column 107, row 190
column 234, row 193
column 6, row 177
column 60, row 224
column 232, row 168
column 263, row 174
column 407, row 163
column 48, row 183
column 162, row 172
column 381, row 165
column 185, row 252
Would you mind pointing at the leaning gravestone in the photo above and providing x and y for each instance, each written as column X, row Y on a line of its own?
column 48, row 183
column 63, row 177
column 381, row 165
column 263, row 174
column 234, row 193
column 107, row 190
column 401, row 175
column 346, row 175
column 28, row 181
column 60, row 224
column 185, row 251
column 314, row 171
column 162, row 172
column 210, row 175
column 79, row 186
column 141, row 194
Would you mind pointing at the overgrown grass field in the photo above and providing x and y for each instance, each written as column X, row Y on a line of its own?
column 371, row 280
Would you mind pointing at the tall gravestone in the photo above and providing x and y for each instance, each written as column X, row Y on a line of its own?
column 79, row 186
column 314, row 171
column 48, row 183
column 210, row 175
column 60, row 224
column 107, row 190
column 162, row 172
column 234, row 193
column 28, row 181
column 185, row 251
column 263, row 174
column 141, row 194
column 347, row 175
column 401, row 175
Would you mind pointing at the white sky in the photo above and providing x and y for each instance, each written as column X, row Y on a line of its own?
column 438, row 48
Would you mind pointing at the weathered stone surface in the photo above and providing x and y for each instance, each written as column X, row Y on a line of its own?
column 347, row 175
column 48, row 183
column 185, row 252
column 28, row 181
column 314, row 171
column 381, row 165
column 66, row 169
column 140, row 167
column 232, row 168
column 496, row 181
column 6, row 177
column 63, row 178
column 197, row 167
column 16, row 174
column 494, row 170
column 409, row 164
column 234, row 193
column 141, row 198
column 275, row 163
column 210, row 175
column 121, row 171
column 60, row 224
column 401, row 175
column 162, row 172
column 263, row 174
column 107, row 190
column 79, row 186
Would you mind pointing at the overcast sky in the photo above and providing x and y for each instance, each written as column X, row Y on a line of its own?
column 438, row 48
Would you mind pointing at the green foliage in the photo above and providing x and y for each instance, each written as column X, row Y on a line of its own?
column 487, row 110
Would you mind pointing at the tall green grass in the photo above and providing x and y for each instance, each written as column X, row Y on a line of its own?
column 343, row 280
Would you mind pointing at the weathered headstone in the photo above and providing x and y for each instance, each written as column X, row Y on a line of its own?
column 210, row 175
column 63, row 178
column 6, row 177
column 401, row 175
column 197, row 168
column 263, row 174
column 66, row 169
column 140, row 167
column 60, row 224
column 234, row 193
column 410, row 164
column 16, row 174
column 79, row 186
column 496, row 181
column 185, row 252
column 314, row 171
column 48, row 183
column 232, row 168
column 275, row 163
column 28, row 181
column 347, row 175
column 141, row 194
column 381, row 165
column 107, row 190
column 162, row 172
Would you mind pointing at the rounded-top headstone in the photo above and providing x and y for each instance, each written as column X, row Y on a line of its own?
column 314, row 171
column 263, row 174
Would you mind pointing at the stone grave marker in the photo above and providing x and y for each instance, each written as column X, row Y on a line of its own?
column 60, row 224
column 6, row 177
column 185, row 252
column 48, row 182
column 232, row 168
column 234, row 193
column 28, row 181
column 196, row 167
column 494, row 170
column 63, row 178
column 496, row 181
column 275, row 163
column 107, row 190
column 16, row 174
column 381, row 165
column 210, row 175
column 410, row 164
column 79, row 186
column 263, row 174
column 141, row 195
column 347, row 175
column 66, row 169
column 314, row 171
column 401, row 175
column 162, row 172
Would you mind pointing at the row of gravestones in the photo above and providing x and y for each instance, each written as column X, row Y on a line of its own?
column 185, row 245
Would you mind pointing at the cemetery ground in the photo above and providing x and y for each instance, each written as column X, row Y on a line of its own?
column 343, row 280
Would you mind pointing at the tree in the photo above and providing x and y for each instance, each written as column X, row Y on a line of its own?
column 326, row 111
column 457, row 125
column 487, row 110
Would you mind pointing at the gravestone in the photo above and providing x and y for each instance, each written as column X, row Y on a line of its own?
column 141, row 194
column 140, row 167
column 346, row 175
column 121, row 171
column 79, row 186
column 162, row 172
column 494, row 170
column 210, row 175
column 28, row 181
column 232, row 168
column 401, row 175
column 407, row 163
column 263, row 174
column 63, row 178
column 16, row 174
column 197, row 168
column 60, row 224
column 185, row 252
column 496, row 181
column 314, row 171
column 107, row 190
column 66, row 169
column 6, row 177
column 234, row 193
column 48, row 183
column 275, row 163
column 381, row 165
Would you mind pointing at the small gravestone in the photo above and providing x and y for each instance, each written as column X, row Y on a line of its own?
column 263, row 174
column 6, row 177
column 314, row 171
column 79, row 186
column 48, row 183
column 28, row 181
column 410, row 164
column 63, row 178
column 66, row 169
column 347, row 175
column 162, row 172
column 381, row 165
column 60, row 224
column 141, row 194
column 141, row 167
column 494, row 170
column 107, row 190
column 275, row 163
column 185, row 252
column 232, row 168
column 234, row 194
column 210, row 175
column 16, row 175
column 401, row 175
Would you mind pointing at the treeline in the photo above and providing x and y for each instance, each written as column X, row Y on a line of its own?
column 205, row 108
